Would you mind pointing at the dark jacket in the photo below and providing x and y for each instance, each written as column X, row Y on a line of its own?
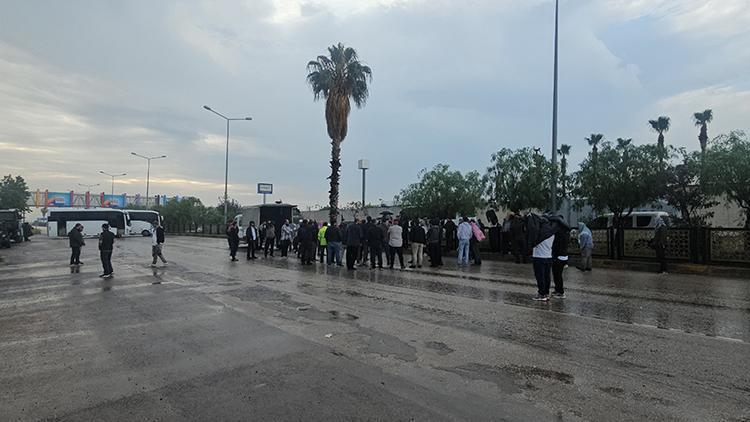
column 307, row 233
column 660, row 237
column 233, row 234
column 561, row 242
column 516, row 227
column 76, row 238
column 106, row 241
column 434, row 234
column 354, row 235
column 333, row 234
column 374, row 236
column 160, row 235
column 417, row 235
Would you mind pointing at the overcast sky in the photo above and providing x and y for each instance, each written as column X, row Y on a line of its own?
column 84, row 83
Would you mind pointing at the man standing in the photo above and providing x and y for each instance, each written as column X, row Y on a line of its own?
column 395, row 244
column 270, row 239
column 322, row 243
column 464, row 234
column 333, row 240
column 518, row 238
column 660, row 244
column 157, row 240
column 560, row 257
column 434, row 238
column 450, row 235
column 233, row 237
column 252, row 239
column 76, row 242
column 106, row 245
column 375, row 242
column 287, row 233
column 542, row 258
column 418, row 239
column 353, row 242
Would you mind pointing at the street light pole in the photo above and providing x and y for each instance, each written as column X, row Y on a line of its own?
column 226, row 161
column 553, row 195
column 148, row 172
column 113, row 179
column 88, row 187
column 363, row 165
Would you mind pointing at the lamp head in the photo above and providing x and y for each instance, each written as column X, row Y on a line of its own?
column 207, row 107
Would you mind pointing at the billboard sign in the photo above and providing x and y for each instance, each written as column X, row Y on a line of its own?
column 58, row 199
column 265, row 188
column 113, row 201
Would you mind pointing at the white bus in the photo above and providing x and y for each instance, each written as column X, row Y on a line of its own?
column 141, row 221
column 60, row 221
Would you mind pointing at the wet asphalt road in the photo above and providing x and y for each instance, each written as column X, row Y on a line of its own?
column 206, row 339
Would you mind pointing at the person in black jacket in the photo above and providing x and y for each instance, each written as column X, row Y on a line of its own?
column 76, row 242
column 418, row 239
column 233, row 236
column 518, row 238
column 375, row 244
column 157, row 242
column 106, row 245
column 434, row 239
column 353, row 242
column 251, row 234
column 333, row 240
column 559, row 255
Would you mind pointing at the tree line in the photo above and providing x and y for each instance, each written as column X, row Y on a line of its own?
column 616, row 176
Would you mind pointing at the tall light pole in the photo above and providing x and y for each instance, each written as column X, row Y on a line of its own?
column 226, row 162
column 113, row 179
column 363, row 165
column 553, row 195
column 148, row 171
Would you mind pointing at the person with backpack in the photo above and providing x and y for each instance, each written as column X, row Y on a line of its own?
column 477, row 235
column 106, row 245
column 157, row 242
column 76, row 242
column 560, row 257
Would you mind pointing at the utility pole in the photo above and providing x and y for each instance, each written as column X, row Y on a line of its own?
column 553, row 193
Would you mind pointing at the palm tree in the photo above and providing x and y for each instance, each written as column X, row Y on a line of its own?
column 702, row 119
column 660, row 125
column 564, row 151
column 338, row 77
column 593, row 141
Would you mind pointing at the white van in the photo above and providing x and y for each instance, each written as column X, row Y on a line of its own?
column 636, row 219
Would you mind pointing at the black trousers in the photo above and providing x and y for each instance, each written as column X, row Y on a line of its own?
column 542, row 270
column 519, row 247
column 436, row 255
column 392, row 252
column 474, row 247
column 308, row 251
column 269, row 246
column 75, row 255
column 322, row 251
column 558, row 267
column 661, row 255
column 351, row 256
column 233, row 249
column 106, row 257
column 285, row 247
column 250, row 249
column 376, row 253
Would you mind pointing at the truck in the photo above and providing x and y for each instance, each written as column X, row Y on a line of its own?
column 277, row 212
column 10, row 225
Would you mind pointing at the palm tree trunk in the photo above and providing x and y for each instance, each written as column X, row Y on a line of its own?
column 333, row 194
column 703, row 138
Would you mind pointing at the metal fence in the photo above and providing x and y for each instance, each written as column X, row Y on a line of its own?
column 194, row 229
column 705, row 245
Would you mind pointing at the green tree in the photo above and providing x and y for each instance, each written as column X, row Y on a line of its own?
column 233, row 207
column 442, row 193
column 727, row 170
column 594, row 139
column 660, row 126
column 622, row 178
column 519, row 180
column 14, row 193
column 702, row 119
column 338, row 77
column 684, row 191
column 564, row 151
column 189, row 210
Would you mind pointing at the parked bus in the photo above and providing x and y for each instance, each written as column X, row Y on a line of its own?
column 60, row 221
column 141, row 221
